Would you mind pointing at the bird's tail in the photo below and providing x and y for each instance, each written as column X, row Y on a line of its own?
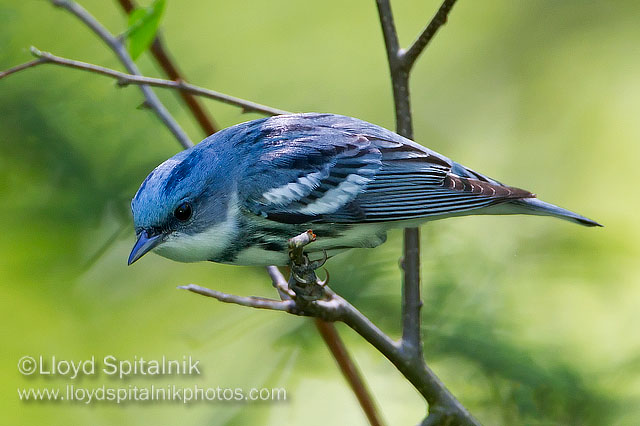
column 538, row 207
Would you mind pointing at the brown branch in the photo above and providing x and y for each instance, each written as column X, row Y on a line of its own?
column 349, row 370
column 335, row 308
column 443, row 406
column 125, row 79
column 163, row 59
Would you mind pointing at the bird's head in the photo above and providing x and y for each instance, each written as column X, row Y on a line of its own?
column 182, row 209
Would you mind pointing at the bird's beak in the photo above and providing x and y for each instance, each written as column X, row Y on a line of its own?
column 145, row 243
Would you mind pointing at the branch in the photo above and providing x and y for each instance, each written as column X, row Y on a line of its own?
column 116, row 46
column 443, row 406
column 335, row 308
column 125, row 79
column 335, row 344
column 251, row 301
column 439, row 19
column 349, row 370
column 163, row 59
column 389, row 32
column 331, row 307
column 21, row 67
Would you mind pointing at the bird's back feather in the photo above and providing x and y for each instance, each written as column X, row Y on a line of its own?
column 323, row 168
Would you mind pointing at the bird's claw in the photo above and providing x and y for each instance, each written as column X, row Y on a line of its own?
column 304, row 281
column 323, row 283
column 299, row 278
column 320, row 262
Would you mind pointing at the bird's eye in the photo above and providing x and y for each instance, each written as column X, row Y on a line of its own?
column 183, row 212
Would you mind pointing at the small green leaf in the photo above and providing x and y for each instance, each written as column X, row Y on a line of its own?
column 143, row 26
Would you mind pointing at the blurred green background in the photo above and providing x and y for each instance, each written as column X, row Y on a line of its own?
column 528, row 320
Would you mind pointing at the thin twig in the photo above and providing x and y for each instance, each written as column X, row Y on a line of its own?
column 439, row 19
column 253, row 302
column 125, row 79
column 117, row 47
column 399, row 75
column 389, row 33
column 21, row 67
column 163, row 59
column 338, row 309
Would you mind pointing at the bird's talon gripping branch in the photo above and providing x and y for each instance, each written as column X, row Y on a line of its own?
column 304, row 281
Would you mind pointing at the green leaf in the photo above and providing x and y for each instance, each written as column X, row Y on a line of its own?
column 143, row 26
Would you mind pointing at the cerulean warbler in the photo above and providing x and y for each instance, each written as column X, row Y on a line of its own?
column 240, row 194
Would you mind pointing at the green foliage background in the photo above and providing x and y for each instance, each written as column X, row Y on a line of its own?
column 528, row 320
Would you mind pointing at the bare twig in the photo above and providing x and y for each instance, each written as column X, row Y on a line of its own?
column 163, row 59
column 21, row 67
column 125, row 79
column 253, row 302
column 411, row 299
column 122, row 54
column 399, row 75
column 443, row 406
column 439, row 19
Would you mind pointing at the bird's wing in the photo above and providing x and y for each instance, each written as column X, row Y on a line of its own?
column 337, row 175
column 302, row 179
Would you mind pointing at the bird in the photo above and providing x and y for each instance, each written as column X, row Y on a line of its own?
column 238, row 196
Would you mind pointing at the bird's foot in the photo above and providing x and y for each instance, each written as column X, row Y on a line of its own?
column 303, row 280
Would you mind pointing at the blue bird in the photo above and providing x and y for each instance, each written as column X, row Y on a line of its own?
column 240, row 194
